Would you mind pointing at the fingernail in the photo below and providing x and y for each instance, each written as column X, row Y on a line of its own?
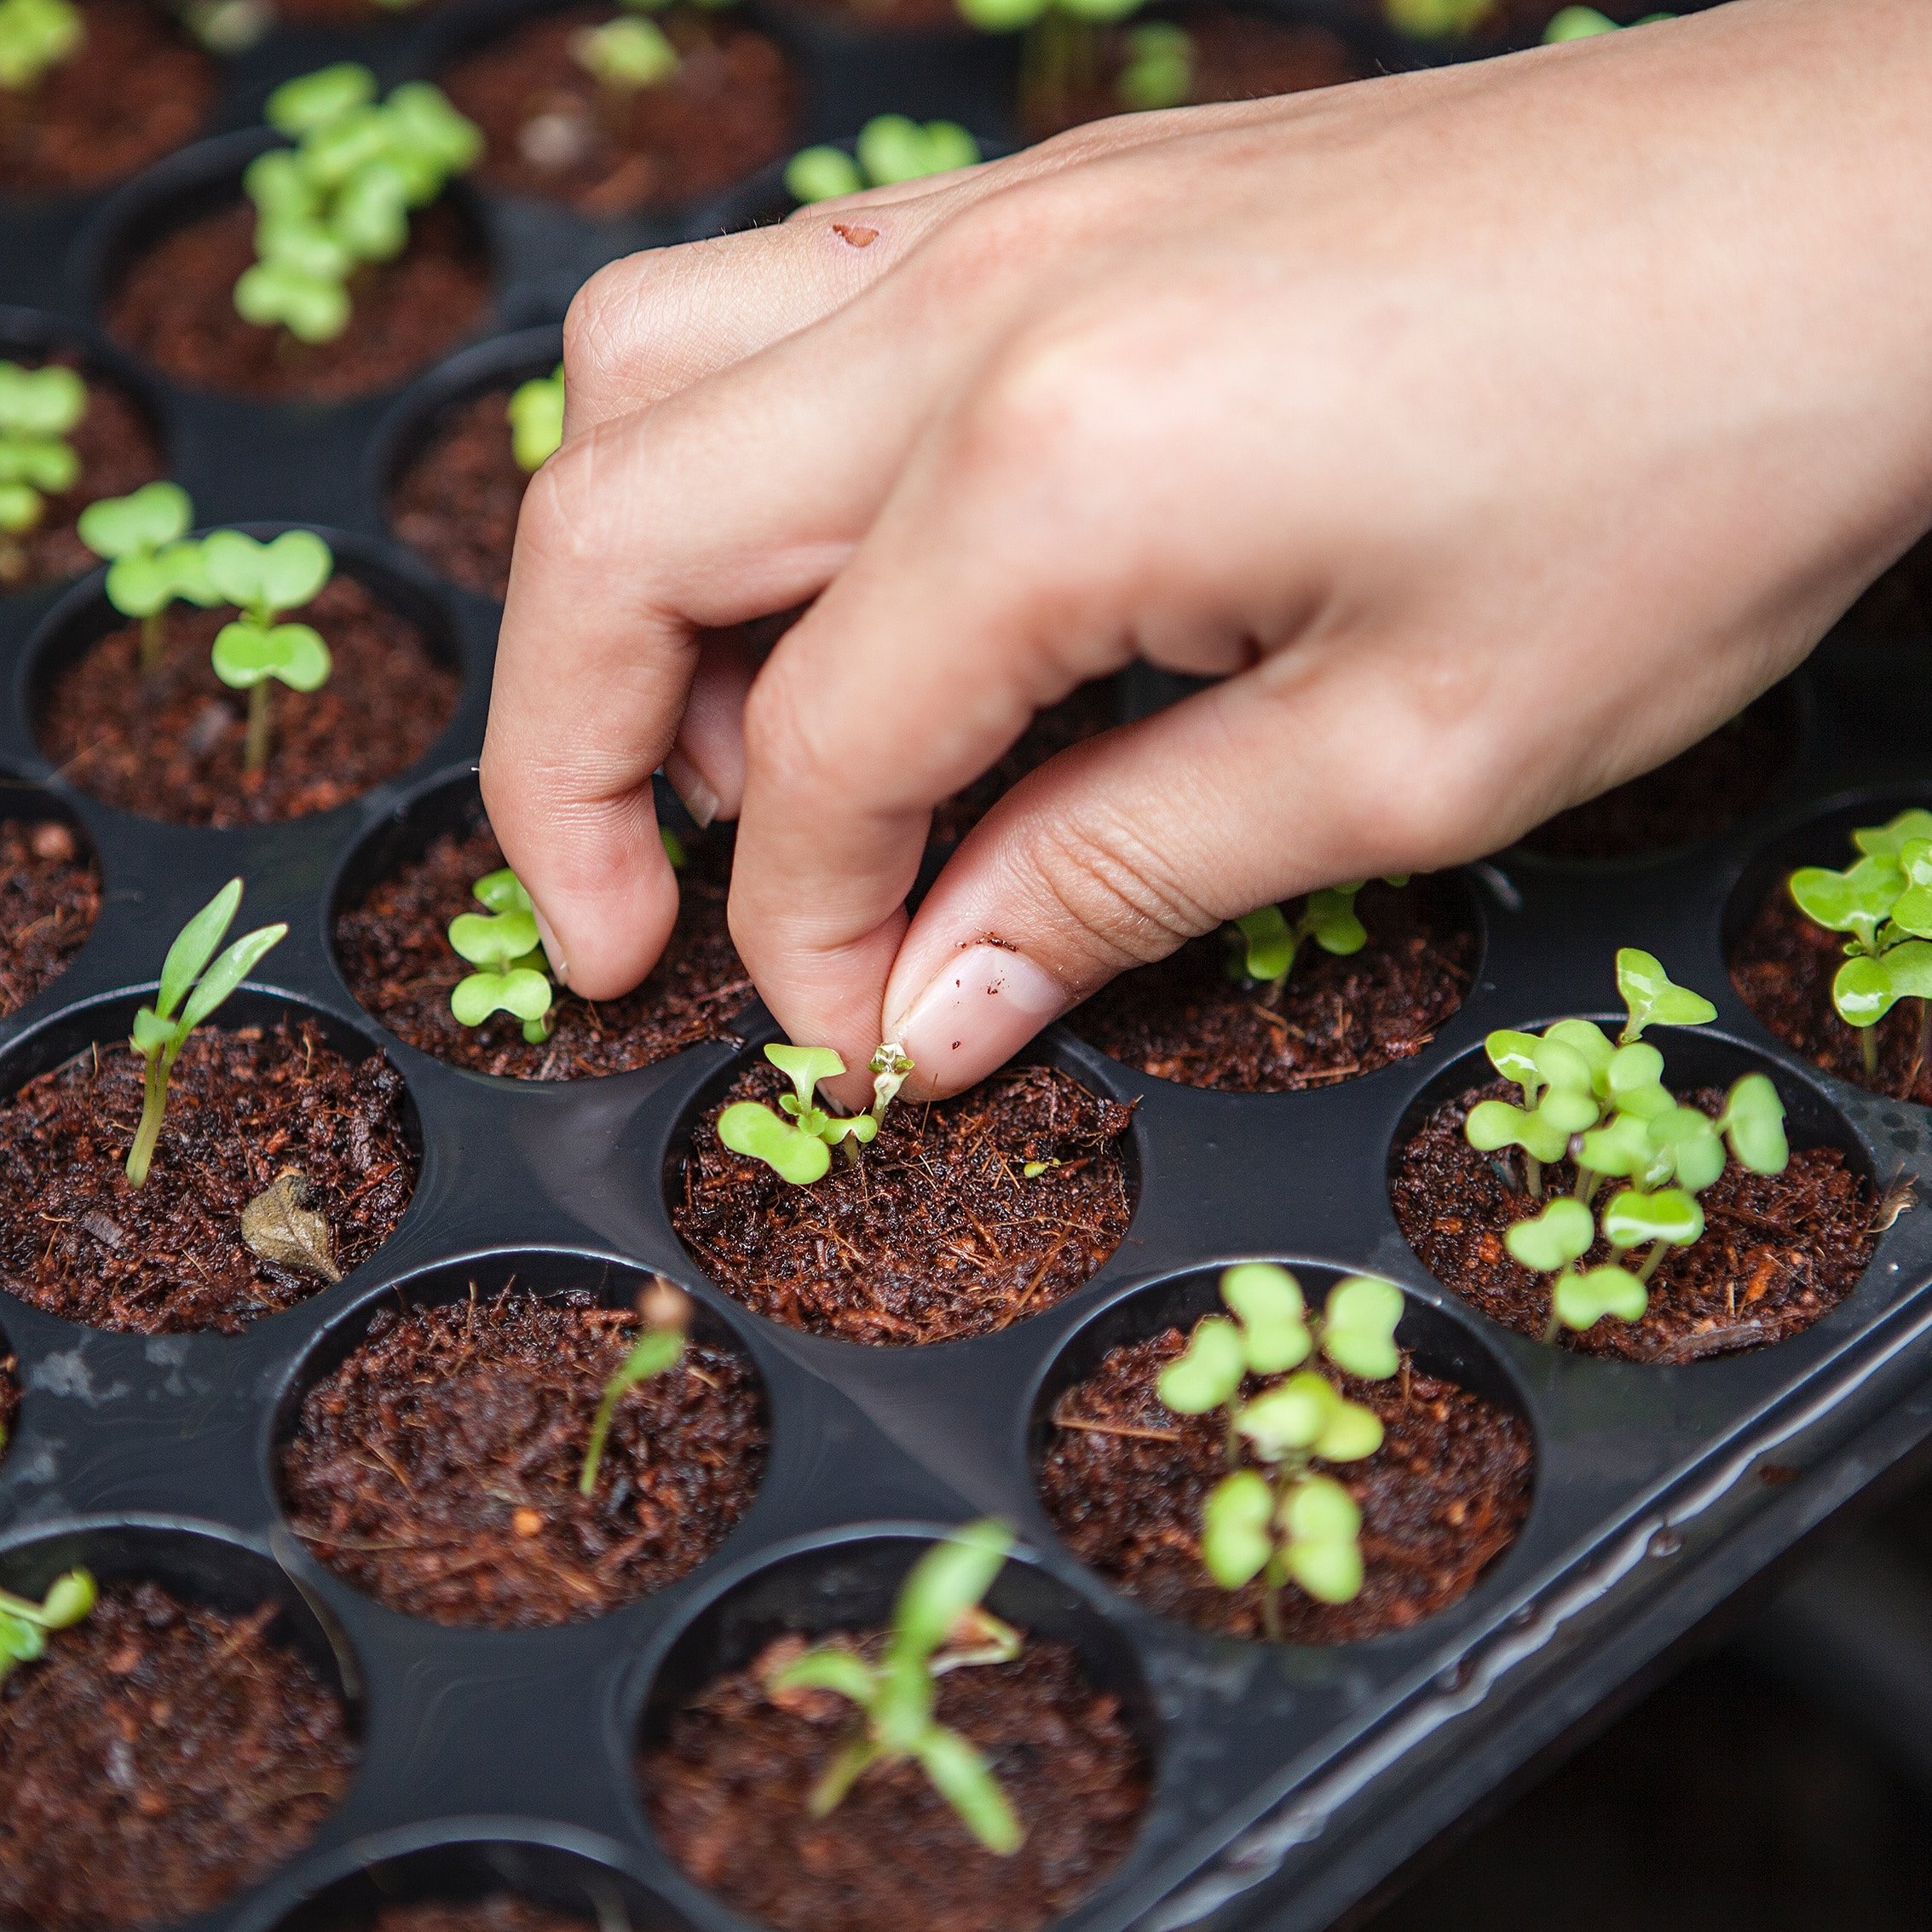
column 558, row 971
column 976, row 1014
column 687, row 782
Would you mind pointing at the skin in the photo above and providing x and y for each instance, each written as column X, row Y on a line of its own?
column 1489, row 435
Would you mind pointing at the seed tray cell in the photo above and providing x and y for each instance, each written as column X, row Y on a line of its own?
column 1286, row 1783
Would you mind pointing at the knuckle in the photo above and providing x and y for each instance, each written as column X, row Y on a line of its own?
column 566, row 505
column 779, row 743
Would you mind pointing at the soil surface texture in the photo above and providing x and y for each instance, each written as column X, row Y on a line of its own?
column 160, row 1757
column 1183, row 1018
column 397, row 956
column 1237, row 56
column 118, row 452
column 504, row 1912
column 456, row 503
column 176, row 306
column 1783, row 966
column 727, row 111
column 1778, row 1250
column 1700, row 794
column 437, row 1468
column 244, row 1106
column 50, row 896
column 726, row 1792
column 935, row 1233
column 134, row 89
column 1088, row 712
column 1124, row 1479
column 169, row 745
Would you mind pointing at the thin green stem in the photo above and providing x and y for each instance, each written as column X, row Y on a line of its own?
column 1532, row 1172
column 154, row 1104
column 1652, row 1260
column 1868, row 1045
column 154, row 641
column 260, row 724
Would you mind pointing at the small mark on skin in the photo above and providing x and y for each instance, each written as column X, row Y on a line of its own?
column 858, row 237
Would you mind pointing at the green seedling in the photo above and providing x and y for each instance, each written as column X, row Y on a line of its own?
column 35, row 36
column 1158, row 71
column 624, row 56
column 536, row 420
column 258, row 651
column 890, row 148
column 939, row 1626
column 796, row 1144
column 1883, row 905
column 193, row 972
column 25, row 1624
column 340, row 198
column 1064, row 53
column 1581, row 23
column 512, row 974
column 151, row 563
column 37, row 408
column 1437, row 20
column 1264, row 945
column 666, row 1313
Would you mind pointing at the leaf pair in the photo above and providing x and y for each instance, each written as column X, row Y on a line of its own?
column 1006, row 16
column 37, row 407
column 1883, row 902
column 513, row 975
column 625, row 54
column 658, row 1348
column 796, row 1144
column 1309, row 1536
column 150, row 564
column 890, row 148
column 536, row 420
column 264, row 579
column 1267, row 943
column 25, row 1624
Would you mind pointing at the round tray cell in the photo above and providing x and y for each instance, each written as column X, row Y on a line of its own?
column 1336, row 1018
column 450, row 485
column 117, row 441
column 166, row 253
column 50, row 892
column 432, row 1449
column 1783, row 965
column 1778, row 1253
column 393, row 906
column 1124, row 1479
column 1068, row 1730
column 181, row 1743
column 270, row 1095
column 960, row 1218
column 171, row 745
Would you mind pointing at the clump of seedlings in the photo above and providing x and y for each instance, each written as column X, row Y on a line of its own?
column 513, row 974
column 35, row 36
column 891, row 148
column 339, row 200
column 192, row 974
column 38, row 409
column 258, row 650
column 1883, row 905
column 938, row 1624
column 1263, row 944
column 797, row 1143
column 535, row 413
column 1602, row 1105
column 143, row 537
column 25, row 1625
column 667, row 1314
column 1286, row 1522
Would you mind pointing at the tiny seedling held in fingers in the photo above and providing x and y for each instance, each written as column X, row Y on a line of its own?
column 257, row 651
column 937, row 1625
column 796, row 1143
column 512, row 974
column 152, row 562
column 37, row 408
column 192, row 973
column 35, row 36
column 891, row 148
column 666, row 1313
column 25, row 1624
column 1264, row 944
column 536, row 420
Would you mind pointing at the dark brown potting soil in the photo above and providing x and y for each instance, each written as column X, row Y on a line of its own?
column 170, row 746
column 1124, row 1479
column 1783, row 966
column 176, row 306
column 397, row 956
column 244, row 1105
column 1185, row 1019
column 1700, row 794
column 456, row 503
column 117, row 451
column 726, row 1792
column 1237, row 56
column 935, row 1233
column 1778, row 1250
column 1085, row 713
column 160, row 1757
column 727, row 111
column 437, row 1466
column 504, row 1912
column 50, row 896
column 136, row 89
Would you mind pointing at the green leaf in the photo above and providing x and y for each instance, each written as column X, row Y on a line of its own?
column 1586, row 1037
column 1857, row 901
column 1653, row 998
column 804, row 1067
column 70, row 1598
column 314, row 100
column 245, row 652
column 1560, row 1234
column 313, row 308
column 36, row 35
column 947, row 1582
column 45, row 462
column 1323, row 1523
column 1692, row 1141
column 1635, row 1221
column 423, row 122
column 502, row 891
column 1577, row 23
column 228, row 972
column 195, row 946
column 145, row 519
column 152, row 1033
column 1624, row 1147
column 187, row 567
column 22, row 507
column 626, row 53
column 1494, row 1124
column 1209, row 1373
column 1888, row 840
column 1268, row 944
column 280, row 187
column 1267, row 1299
column 1353, row 1433
column 861, row 1127
column 1581, row 1301
column 1159, row 71
column 305, row 246
column 371, row 216
column 1287, row 1417
column 960, row 1776
column 294, row 565
column 493, row 939
column 46, row 401
column 1235, row 1540
column 1330, row 918
column 521, row 992
column 1001, row 16
column 140, row 584
column 1359, row 1326
column 1513, row 1055
column 1866, row 989
column 1754, row 1123
column 748, row 1128
column 829, row 1667
column 536, row 420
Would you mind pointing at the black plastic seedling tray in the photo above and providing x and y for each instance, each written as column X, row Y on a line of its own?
column 1288, row 1782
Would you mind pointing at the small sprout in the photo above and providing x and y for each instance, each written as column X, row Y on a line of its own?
column 25, row 1624
column 674, row 848
column 1581, row 23
column 1670, row 1218
column 1581, row 1301
column 513, row 974
column 1264, row 945
column 1753, row 1122
column 889, row 1065
column 1159, row 68
column 1437, row 19
column 890, row 148
column 256, row 651
column 799, row 1148
column 938, row 1605
column 536, row 420
column 624, row 56
column 151, row 563
column 280, row 1226
column 37, row 408
column 1032, row 1170
column 1562, row 1234
column 35, row 36
column 159, row 1034
column 1653, row 999
column 667, row 1315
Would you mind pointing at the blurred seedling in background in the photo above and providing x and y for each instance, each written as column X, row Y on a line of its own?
column 1583, row 23
column 796, row 1143
column 536, row 420
column 891, row 148
column 1264, row 944
column 624, row 56
column 340, row 199
column 1437, row 20
column 1158, row 71
column 1286, row 1522
column 37, row 408
column 1063, row 56
column 1883, row 904
column 191, row 973
column 1603, row 1106
column 258, row 650
column 667, row 1314
column 25, row 1625
column 939, row 1626
column 513, row 975
column 151, row 561
column 35, row 36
